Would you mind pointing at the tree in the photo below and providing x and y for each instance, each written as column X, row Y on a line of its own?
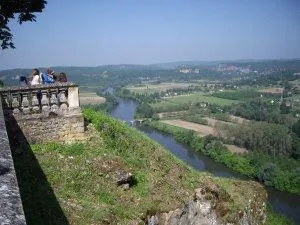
column 8, row 10
column 266, row 173
column 144, row 110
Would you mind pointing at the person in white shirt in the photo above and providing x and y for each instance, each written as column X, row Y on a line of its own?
column 35, row 74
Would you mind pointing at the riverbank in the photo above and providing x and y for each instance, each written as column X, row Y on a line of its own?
column 253, row 165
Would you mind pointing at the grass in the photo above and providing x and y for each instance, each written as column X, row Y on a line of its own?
column 74, row 183
column 185, row 100
column 152, row 88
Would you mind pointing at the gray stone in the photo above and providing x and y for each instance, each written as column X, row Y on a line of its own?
column 153, row 220
column 125, row 187
column 123, row 177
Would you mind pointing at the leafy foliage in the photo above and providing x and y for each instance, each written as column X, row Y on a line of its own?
column 144, row 110
column 261, row 110
column 24, row 9
column 272, row 139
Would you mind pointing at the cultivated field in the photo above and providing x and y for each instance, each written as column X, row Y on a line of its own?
column 90, row 98
column 274, row 90
column 151, row 88
column 191, row 99
column 203, row 130
column 214, row 122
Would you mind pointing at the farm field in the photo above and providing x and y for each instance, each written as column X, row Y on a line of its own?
column 274, row 90
column 151, row 88
column 90, row 98
column 215, row 122
column 190, row 99
column 89, row 88
column 203, row 130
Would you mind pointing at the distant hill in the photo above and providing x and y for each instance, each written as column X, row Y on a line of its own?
column 124, row 74
column 100, row 76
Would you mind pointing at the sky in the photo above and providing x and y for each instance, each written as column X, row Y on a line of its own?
column 99, row 32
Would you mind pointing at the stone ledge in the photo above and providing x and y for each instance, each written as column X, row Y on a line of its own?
column 10, row 201
column 37, row 87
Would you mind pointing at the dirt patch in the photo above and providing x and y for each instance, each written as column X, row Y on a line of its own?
column 274, row 90
column 236, row 149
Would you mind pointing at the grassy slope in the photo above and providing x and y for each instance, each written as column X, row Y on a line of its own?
column 81, row 177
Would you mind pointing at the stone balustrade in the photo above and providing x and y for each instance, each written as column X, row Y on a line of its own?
column 57, row 98
column 44, row 112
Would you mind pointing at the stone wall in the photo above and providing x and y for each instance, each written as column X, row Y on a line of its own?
column 39, row 128
column 11, row 210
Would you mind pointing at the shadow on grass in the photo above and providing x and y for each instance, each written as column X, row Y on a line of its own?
column 39, row 202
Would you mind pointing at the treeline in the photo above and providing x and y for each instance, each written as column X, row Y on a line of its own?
column 269, row 78
column 271, row 139
column 280, row 172
column 237, row 95
column 264, row 110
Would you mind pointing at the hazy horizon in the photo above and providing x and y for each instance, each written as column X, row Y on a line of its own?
column 144, row 33
column 158, row 63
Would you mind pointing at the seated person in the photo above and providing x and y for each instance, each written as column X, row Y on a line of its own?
column 23, row 80
column 62, row 78
column 35, row 77
column 49, row 77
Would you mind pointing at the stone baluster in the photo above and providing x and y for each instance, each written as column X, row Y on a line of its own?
column 62, row 101
column 53, row 101
column 15, row 103
column 5, row 100
column 35, row 102
column 45, row 101
column 25, row 103
column 73, row 100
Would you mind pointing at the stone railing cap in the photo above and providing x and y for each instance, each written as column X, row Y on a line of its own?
column 37, row 87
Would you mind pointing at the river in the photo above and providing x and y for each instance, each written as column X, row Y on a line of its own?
column 282, row 202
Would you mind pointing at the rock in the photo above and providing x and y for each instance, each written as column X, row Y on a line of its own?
column 193, row 212
column 153, row 220
column 125, row 187
column 123, row 177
